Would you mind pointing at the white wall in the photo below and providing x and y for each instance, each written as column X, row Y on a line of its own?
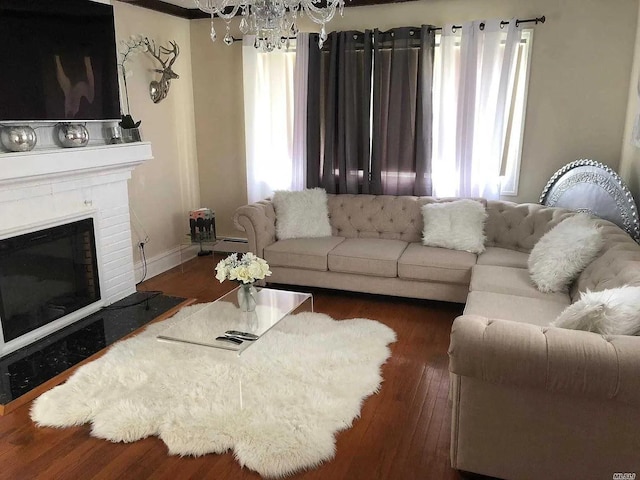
column 164, row 189
column 577, row 99
column 630, row 163
column 219, row 114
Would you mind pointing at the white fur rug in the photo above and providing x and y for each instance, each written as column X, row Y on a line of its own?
column 301, row 383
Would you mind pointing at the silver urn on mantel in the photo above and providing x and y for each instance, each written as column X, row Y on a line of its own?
column 72, row 134
column 18, row 138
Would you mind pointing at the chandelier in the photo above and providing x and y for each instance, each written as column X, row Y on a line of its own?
column 273, row 22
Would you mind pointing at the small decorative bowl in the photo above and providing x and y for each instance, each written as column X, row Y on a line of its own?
column 18, row 138
column 73, row 135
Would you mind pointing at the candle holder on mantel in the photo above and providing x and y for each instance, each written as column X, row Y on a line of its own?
column 131, row 135
column 130, row 130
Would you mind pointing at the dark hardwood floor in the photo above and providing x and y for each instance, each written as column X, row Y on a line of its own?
column 402, row 433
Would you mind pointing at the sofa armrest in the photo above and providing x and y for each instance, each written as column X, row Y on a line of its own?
column 554, row 359
column 258, row 220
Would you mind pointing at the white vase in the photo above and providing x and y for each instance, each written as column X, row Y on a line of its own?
column 247, row 297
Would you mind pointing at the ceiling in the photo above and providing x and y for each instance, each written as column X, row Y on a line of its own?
column 188, row 9
column 179, row 8
column 182, row 3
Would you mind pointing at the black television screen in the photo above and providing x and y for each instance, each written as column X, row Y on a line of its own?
column 58, row 61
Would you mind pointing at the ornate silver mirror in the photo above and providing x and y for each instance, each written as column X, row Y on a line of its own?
column 592, row 187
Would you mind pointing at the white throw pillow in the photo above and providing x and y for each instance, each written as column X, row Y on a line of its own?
column 563, row 252
column 457, row 225
column 301, row 214
column 609, row 312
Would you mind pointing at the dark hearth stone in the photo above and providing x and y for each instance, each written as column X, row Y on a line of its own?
column 30, row 366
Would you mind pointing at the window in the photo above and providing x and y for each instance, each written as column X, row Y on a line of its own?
column 445, row 101
column 268, row 106
column 469, row 145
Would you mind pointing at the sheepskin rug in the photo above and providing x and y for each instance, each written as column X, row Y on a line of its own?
column 278, row 406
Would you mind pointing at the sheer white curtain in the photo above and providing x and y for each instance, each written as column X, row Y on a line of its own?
column 300, row 90
column 268, row 118
column 446, row 74
column 475, row 75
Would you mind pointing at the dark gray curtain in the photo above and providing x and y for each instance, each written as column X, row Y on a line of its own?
column 349, row 150
column 338, row 114
column 314, row 165
column 402, row 111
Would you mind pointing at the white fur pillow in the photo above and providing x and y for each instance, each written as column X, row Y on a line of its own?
column 457, row 225
column 301, row 214
column 609, row 312
column 563, row 252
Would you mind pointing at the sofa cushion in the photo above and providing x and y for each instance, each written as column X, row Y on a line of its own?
column 309, row 253
column 418, row 262
column 536, row 311
column 614, row 311
column 458, row 225
column 563, row 252
column 503, row 257
column 509, row 280
column 368, row 256
column 302, row 214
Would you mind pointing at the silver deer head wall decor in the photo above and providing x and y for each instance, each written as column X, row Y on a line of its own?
column 160, row 89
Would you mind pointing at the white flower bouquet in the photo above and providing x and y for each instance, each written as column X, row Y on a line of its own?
column 246, row 269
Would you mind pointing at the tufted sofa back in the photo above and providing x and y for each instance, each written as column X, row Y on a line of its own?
column 379, row 216
column 375, row 216
column 509, row 225
column 518, row 226
column 617, row 264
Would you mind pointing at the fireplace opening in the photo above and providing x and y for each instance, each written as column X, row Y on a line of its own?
column 46, row 275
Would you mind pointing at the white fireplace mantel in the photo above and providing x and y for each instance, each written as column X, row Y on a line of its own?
column 32, row 166
column 44, row 188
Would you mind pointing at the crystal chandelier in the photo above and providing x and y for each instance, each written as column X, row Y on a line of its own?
column 273, row 22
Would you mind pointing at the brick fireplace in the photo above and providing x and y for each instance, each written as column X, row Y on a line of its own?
column 40, row 190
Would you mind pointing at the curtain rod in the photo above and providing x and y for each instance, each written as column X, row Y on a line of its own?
column 536, row 20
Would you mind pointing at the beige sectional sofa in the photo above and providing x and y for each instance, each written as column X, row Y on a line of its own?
column 529, row 401
column 532, row 401
column 375, row 247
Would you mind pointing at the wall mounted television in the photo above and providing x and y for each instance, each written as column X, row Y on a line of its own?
column 58, row 61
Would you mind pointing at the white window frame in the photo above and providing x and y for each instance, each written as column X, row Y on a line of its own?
column 511, row 179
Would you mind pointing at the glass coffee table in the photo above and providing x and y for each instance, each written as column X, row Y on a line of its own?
column 229, row 328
